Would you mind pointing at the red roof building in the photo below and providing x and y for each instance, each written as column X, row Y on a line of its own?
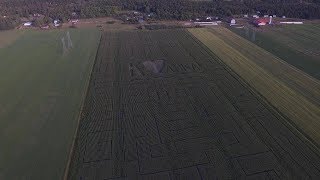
column 261, row 21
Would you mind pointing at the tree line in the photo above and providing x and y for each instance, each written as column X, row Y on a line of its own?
column 163, row 9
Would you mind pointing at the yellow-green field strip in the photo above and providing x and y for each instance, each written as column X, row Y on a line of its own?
column 288, row 97
column 294, row 78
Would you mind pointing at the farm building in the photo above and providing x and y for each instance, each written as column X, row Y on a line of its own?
column 56, row 23
column 209, row 18
column 206, row 23
column 232, row 22
column 261, row 21
column 291, row 22
column 27, row 24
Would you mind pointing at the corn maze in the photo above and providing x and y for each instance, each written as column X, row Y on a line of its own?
column 160, row 105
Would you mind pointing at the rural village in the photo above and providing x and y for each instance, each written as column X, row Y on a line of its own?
column 159, row 89
column 149, row 21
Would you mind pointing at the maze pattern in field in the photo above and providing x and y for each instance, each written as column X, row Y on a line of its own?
column 192, row 119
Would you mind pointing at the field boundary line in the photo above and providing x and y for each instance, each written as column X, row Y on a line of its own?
column 84, row 97
column 315, row 147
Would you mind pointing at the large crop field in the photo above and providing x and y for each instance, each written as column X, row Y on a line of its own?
column 167, row 104
column 42, row 82
column 298, row 45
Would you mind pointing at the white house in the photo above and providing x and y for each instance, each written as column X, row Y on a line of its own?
column 56, row 23
column 232, row 22
column 27, row 24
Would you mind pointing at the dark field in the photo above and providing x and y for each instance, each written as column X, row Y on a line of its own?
column 160, row 105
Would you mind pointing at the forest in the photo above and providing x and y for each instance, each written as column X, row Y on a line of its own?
column 11, row 11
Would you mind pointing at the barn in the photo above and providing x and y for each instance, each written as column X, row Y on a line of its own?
column 261, row 21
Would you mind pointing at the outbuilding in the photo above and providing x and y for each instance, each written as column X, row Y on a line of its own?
column 27, row 24
column 261, row 21
column 206, row 23
column 291, row 22
column 232, row 22
column 56, row 23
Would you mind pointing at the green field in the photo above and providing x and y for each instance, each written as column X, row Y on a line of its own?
column 298, row 45
column 291, row 91
column 42, row 86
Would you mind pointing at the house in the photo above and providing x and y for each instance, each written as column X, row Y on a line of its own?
column 232, row 22
column 283, row 17
column 274, row 16
column 255, row 16
column 56, row 23
column 246, row 15
column 27, row 24
column 261, row 21
column 266, row 16
column 208, row 18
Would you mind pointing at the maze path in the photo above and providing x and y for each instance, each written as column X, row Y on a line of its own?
column 193, row 120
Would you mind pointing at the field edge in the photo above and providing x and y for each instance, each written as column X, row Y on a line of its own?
column 83, row 98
